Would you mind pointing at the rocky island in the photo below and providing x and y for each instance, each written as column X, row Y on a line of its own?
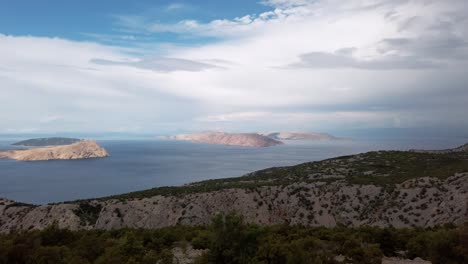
column 83, row 149
column 302, row 136
column 232, row 139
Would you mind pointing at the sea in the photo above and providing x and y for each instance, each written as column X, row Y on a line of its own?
column 143, row 164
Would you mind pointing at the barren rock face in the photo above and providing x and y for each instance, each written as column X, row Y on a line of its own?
column 238, row 139
column 81, row 150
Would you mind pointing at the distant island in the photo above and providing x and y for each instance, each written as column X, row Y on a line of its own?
column 83, row 149
column 42, row 142
column 302, row 136
column 232, row 139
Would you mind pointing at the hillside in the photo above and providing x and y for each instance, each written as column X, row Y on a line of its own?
column 232, row 139
column 80, row 150
column 42, row 142
column 384, row 189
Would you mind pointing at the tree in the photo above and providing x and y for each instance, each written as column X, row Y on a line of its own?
column 232, row 242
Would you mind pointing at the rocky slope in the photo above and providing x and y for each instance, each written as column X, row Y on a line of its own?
column 42, row 142
column 386, row 188
column 302, row 136
column 80, row 150
column 424, row 202
column 233, row 139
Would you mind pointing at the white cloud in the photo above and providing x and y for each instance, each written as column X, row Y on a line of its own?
column 237, row 117
column 50, row 119
column 176, row 6
column 294, row 119
column 242, row 78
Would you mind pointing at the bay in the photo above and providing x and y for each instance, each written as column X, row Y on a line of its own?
column 142, row 164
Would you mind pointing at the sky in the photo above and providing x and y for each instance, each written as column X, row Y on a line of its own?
column 165, row 67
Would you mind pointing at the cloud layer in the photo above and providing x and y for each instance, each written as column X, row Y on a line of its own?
column 313, row 65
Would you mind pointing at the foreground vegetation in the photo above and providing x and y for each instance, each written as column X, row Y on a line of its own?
column 229, row 240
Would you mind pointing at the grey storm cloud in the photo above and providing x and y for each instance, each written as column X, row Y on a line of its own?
column 441, row 47
column 161, row 64
column 340, row 60
column 395, row 53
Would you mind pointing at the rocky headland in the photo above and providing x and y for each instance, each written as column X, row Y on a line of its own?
column 83, row 149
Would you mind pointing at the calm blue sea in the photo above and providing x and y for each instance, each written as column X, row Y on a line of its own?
column 137, row 165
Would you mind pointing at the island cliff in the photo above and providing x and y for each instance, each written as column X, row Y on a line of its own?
column 84, row 149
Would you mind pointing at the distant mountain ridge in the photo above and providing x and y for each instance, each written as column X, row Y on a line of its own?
column 231, row 139
column 302, row 136
column 42, row 142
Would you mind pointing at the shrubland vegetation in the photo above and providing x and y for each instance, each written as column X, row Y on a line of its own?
column 384, row 168
column 229, row 240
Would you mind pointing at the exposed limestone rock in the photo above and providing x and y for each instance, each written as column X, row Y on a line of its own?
column 186, row 255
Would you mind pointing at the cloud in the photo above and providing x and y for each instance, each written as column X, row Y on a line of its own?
column 363, row 63
column 237, row 117
column 438, row 47
column 306, row 120
column 218, row 28
column 176, row 6
column 110, row 37
column 336, row 60
column 161, row 64
column 50, row 119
